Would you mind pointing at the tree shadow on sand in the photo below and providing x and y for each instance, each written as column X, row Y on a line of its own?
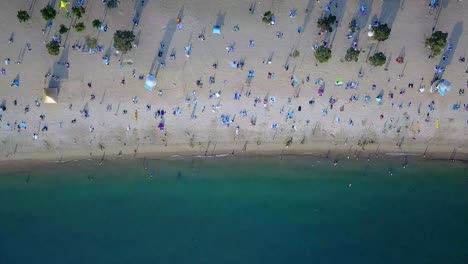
column 362, row 18
column 402, row 52
column 139, row 7
column 337, row 9
column 32, row 6
column 109, row 49
column 52, row 3
column 309, row 8
column 447, row 56
column 220, row 19
column 180, row 15
column 171, row 27
column 60, row 70
column 389, row 12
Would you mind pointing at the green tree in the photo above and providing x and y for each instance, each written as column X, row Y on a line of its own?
column 63, row 29
column 268, row 17
column 23, row 16
column 381, row 32
column 53, row 48
column 353, row 26
column 325, row 23
column 352, row 54
column 123, row 40
column 91, row 42
column 80, row 27
column 112, row 4
column 48, row 13
column 78, row 11
column 322, row 54
column 97, row 23
column 437, row 42
column 378, row 59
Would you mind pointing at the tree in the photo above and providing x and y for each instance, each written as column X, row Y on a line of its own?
column 63, row 29
column 23, row 16
column 325, row 23
column 295, row 53
column 78, row 11
column 53, row 48
column 112, row 4
column 123, row 40
column 97, row 23
column 322, row 54
column 268, row 17
column 437, row 42
column 48, row 13
column 378, row 59
column 353, row 26
column 91, row 42
column 381, row 32
column 352, row 54
column 80, row 27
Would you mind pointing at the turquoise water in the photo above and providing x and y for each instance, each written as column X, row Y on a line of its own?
column 229, row 210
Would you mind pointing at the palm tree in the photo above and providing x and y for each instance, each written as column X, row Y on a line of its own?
column 23, row 16
column 97, row 23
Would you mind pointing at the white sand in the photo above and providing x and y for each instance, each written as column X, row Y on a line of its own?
column 206, row 135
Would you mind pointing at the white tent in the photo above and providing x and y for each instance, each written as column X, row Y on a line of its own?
column 50, row 96
column 150, row 82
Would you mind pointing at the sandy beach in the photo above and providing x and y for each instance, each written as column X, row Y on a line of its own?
column 267, row 114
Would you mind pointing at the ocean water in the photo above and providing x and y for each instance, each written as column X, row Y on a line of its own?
column 235, row 210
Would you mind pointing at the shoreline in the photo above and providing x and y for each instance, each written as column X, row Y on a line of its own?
column 323, row 149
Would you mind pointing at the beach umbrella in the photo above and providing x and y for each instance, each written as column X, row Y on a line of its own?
column 234, row 64
column 370, row 33
column 50, row 96
column 443, row 87
column 63, row 5
column 217, row 30
column 319, row 81
column 338, row 81
column 150, row 82
column 161, row 127
column 15, row 83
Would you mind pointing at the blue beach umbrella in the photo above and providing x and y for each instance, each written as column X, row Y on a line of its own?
column 150, row 82
column 443, row 87
column 217, row 30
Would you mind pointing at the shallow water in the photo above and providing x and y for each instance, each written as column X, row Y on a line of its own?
column 231, row 210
